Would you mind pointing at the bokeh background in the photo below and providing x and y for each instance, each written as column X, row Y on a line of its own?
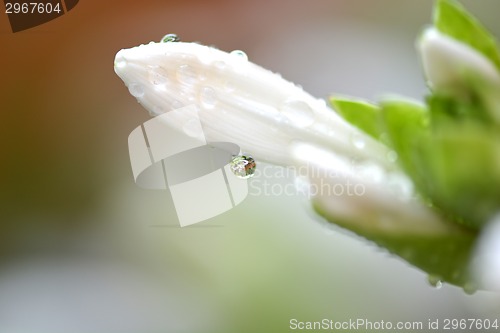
column 82, row 249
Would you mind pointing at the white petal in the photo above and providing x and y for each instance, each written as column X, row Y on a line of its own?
column 365, row 197
column 487, row 264
column 446, row 60
column 239, row 101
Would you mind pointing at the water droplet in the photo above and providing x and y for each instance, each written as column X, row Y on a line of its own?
column 408, row 253
column 240, row 54
column 170, row 38
column 401, row 186
column 220, row 65
column 358, row 141
column 392, row 156
column 186, row 74
column 136, row 90
column 298, row 112
column 229, row 86
column 157, row 110
column 192, row 128
column 208, row 97
column 157, row 76
column 435, row 281
column 385, row 138
column 120, row 63
column 176, row 104
column 470, row 288
column 243, row 166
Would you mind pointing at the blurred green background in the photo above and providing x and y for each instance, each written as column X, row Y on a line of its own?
column 82, row 249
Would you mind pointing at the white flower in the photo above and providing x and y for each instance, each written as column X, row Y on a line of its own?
column 452, row 67
column 239, row 101
column 277, row 122
column 446, row 60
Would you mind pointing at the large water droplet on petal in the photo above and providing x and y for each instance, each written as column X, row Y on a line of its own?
column 243, row 166
column 136, row 90
column 240, row 54
column 186, row 74
column 298, row 112
column 208, row 97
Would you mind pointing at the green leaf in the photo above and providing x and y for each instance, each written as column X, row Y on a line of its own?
column 443, row 255
column 453, row 20
column 463, row 163
column 446, row 110
column 364, row 115
column 407, row 126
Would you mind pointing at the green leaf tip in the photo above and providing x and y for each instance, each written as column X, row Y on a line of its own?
column 452, row 19
column 362, row 114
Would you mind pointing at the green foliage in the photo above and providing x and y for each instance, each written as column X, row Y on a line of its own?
column 449, row 147
column 453, row 20
column 361, row 114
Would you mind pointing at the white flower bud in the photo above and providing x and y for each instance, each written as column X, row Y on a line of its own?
column 449, row 63
column 239, row 101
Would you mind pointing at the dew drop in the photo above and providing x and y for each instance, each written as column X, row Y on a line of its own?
column 220, row 65
column 157, row 76
column 243, row 166
column 208, row 97
column 120, row 63
column 186, row 74
column 384, row 138
column 239, row 54
column 157, row 110
column 170, row 38
column 358, row 141
column 136, row 90
column 435, row 281
column 392, row 156
column 229, row 86
column 192, row 128
column 176, row 104
column 298, row 112
column 408, row 253
column 470, row 288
